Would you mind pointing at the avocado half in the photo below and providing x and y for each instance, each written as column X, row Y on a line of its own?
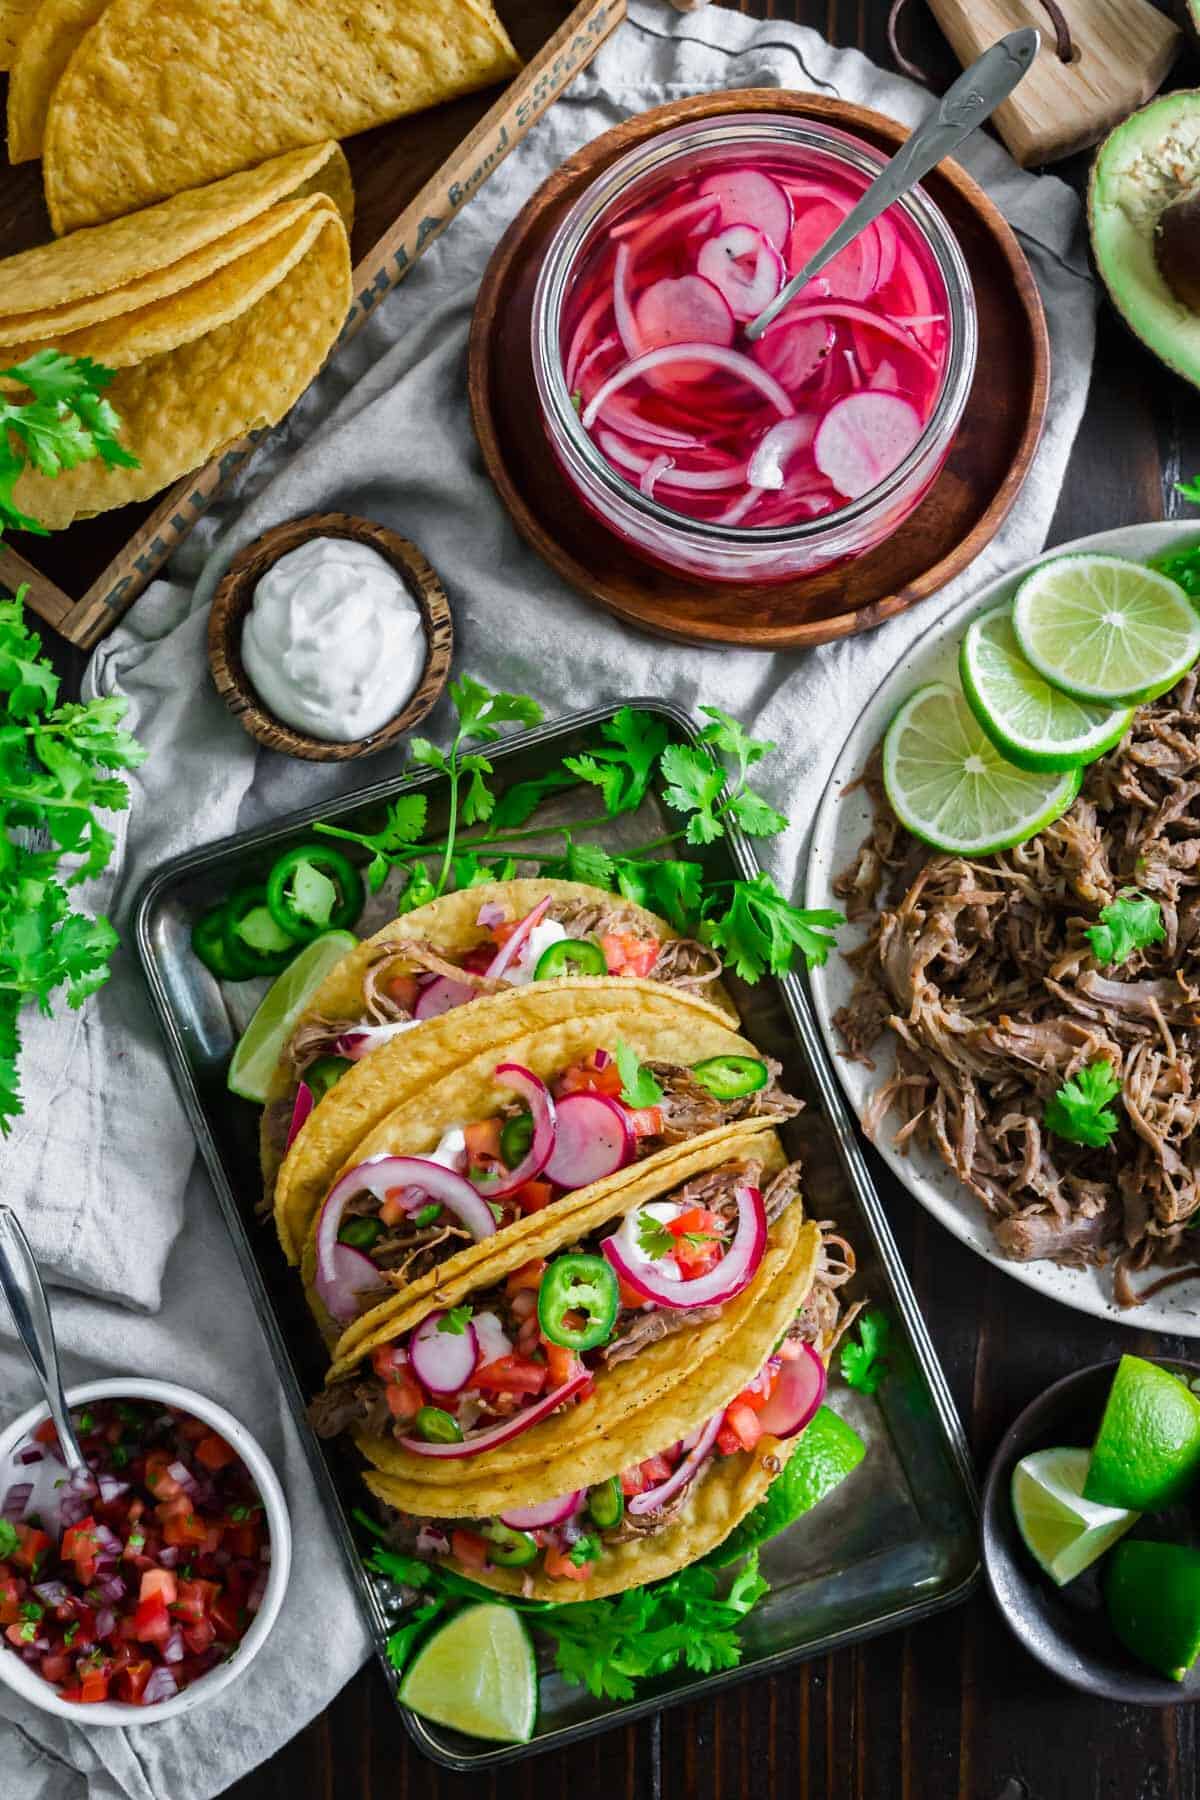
column 1144, row 219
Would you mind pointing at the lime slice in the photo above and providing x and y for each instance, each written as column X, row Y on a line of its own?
column 827, row 1452
column 950, row 785
column 1033, row 724
column 1105, row 629
column 478, row 1675
column 1147, row 1451
column 261, row 1044
column 1153, row 1596
column 1063, row 1532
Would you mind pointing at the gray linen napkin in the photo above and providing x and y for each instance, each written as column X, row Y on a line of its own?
column 102, row 1166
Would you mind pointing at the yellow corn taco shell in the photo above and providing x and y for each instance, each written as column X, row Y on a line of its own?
column 389, row 1076
column 15, row 16
column 161, row 95
column 116, row 268
column 655, row 1397
column 46, row 47
column 179, row 408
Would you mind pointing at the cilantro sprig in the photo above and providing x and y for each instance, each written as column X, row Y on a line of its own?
column 1133, row 921
column 638, row 1086
column 58, row 774
column 455, row 1321
column 756, row 927
column 64, row 421
column 1080, row 1110
column 864, row 1364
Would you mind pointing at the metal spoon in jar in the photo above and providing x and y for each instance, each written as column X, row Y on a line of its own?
column 22, row 1286
column 967, row 103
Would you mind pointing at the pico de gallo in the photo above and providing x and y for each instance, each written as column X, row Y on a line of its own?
column 133, row 1581
column 391, row 1219
column 468, row 1378
column 566, row 1537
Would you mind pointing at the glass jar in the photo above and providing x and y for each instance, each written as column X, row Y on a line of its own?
column 705, row 548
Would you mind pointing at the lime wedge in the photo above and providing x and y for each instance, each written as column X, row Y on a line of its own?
column 1033, row 724
column 1147, row 1451
column 1063, row 1532
column 1153, row 1596
column 1105, row 629
column 261, row 1044
column 478, row 1675
column 950, row 785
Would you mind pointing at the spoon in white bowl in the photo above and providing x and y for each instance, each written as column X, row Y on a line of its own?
column 976, row 94
column 22, row 1286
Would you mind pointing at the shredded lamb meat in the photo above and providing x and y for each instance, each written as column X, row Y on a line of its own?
column 982, row 972
column 688, row 1108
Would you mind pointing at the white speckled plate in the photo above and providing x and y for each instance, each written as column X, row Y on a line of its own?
column 839, row 828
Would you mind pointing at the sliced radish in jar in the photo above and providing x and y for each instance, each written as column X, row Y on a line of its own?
column 442, row 995
column 683, row 311
column 443, row 1361
column 799, row 1390
column 734, row 1271
column 509, row 952
column 863, row 438
column 536, row 1095
column 793, row 352
column 346, row 1277
column 653, row 1499
column 550, row 1512
column 782, row 441
column 495, row 1435
column 749, row 195
column 676, row 355
column 305, row 1101
column 593, row 1139
column 854, row 272
column 744, row 266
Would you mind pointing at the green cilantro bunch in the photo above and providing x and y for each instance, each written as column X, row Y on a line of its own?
column 58, row 766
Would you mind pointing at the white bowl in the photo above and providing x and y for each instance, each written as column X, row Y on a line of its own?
column 25, row 1681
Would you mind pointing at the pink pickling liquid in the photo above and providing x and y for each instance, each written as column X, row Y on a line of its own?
column 817, row 412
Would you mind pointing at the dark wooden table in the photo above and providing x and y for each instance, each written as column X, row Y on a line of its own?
column 952, row 1708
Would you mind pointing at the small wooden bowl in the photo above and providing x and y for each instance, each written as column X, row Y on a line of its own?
column 231, row 603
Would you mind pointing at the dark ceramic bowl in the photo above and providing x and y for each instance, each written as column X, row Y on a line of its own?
column 1067, row 1628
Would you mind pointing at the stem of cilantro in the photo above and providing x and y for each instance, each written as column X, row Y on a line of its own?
column 452, row 824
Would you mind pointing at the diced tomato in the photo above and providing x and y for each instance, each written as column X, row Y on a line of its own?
column 159, row 1581
column 79, row 1546
column 94, row 1686
column 241, row 1539
column 129, row 1682
column 629, row 1295
column 628, row 954
column 656, row 1469
column 469, row 1549
column 695, row 1220
column 632, row 1480
column 389, row 1361
column 55, row 1667
column 15, row 1633
column 151, row 1621
column 529, row 1275
column 483, row 1140
column 559, row 1567
column 192, row 1429
column 727, row 1442
column 72, row 1691
column 182, row 1526
column 403, row 989
column 742, row 1421
column 404, row 1396
column 226, row 1618
column 503, row 931
column 214, row 1453
column 47, row 1433
column 586, row 1078
column 198, row 1637
column 10, row 1600
column 194, row 1601
column 644, row 1121
column 511, row 1375
column 392, row 1208
column 31, row 1549
column 161, row 1485
column 532, row 1196
column 562, row 1363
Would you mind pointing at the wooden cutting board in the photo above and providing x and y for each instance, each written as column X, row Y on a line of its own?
column 1122, row 50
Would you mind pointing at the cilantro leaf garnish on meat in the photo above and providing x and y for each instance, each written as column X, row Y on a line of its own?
column 584, row 1550
column 64, row 422
column 456, row 1320
column 57, row 776
column 1131, row 922
column 1079, row 1111
column 864, row 1364
column 638, row 1086
column 1190, row 489
column 654, row 1239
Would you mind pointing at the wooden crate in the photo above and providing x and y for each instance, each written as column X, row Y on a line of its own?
column 410, row 178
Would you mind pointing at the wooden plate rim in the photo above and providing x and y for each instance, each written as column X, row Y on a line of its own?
column 802, row 634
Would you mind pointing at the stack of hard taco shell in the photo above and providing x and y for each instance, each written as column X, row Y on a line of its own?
column 215, row 308
column 548, row 1470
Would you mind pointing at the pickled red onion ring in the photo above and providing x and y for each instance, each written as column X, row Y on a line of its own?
column 733, row 361
column 651, row 1499
column 494, row 1435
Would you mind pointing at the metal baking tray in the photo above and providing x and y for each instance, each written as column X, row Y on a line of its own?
column 896, row 1542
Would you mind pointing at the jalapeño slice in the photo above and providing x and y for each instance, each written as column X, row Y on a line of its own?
column 360, row 1234
column 515, row 1138
column 572, row 1285
column 606, row 1503
column 252, row 936
column 211, row 945
column 731, row 1077
column 325, row 1073
column 511, row 1549
column 570, row 956
column 437, row 1426
column 299, row 881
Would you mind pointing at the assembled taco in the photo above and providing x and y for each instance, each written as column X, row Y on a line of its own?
column 528, row 1129
column 569, row 1470
column 469, row 946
